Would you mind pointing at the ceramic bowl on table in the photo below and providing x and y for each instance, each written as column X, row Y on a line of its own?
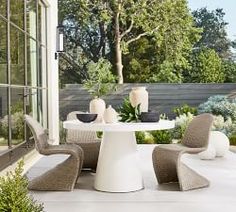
column 86, row 117
column 149, row 117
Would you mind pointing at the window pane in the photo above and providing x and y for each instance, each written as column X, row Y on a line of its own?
column 17, row 115
column 42, row 67
column 17, row 12
column 17, row 56
column 3, row 7
column 42, row 113
column 31, row 17
column 3, row 120
column 42, row 23
column 3, row 51
column 32, row 62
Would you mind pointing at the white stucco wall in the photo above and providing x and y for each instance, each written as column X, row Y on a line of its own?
column 53, row 75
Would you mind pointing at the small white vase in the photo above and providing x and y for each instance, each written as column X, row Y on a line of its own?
column 139, row 95
column 110, row 115
column 97, row 106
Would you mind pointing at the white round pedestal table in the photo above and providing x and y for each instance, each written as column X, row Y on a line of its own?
column 118, row 163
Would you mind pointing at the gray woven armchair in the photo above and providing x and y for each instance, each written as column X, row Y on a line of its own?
column 87, row 140
column 167, row 157
column 62, row 177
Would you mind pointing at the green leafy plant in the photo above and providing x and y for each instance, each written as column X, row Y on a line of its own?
column 101, row 81
column 219, row 105
column 14, row 195
column 128, row 113
column 181, row 124
column 162, row 136
column 140, row 137
column 185, row 109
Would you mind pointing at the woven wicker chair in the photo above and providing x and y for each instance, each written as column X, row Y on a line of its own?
column 167, row 162
column 62, row 177
column 87, row 140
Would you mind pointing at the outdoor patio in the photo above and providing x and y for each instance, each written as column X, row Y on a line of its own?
column 220, row 196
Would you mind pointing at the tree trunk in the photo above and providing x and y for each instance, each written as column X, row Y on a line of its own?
column 119, row 65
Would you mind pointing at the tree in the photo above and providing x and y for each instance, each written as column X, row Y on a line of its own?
column 109, row 28
column 214, row 34
column 206, row 67
column 229, row 68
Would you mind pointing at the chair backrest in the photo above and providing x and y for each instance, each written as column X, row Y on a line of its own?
column 77, row 136
column 40, row 137
column 198, row 131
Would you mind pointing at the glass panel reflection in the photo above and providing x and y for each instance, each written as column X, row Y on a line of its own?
column 31, row 17
column 17, row 56
column 17, row 116
column 3, row 120
column 17, row 12
column 3, row 52
column 32, row 62
column 3, row 7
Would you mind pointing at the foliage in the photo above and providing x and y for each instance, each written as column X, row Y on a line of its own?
column 17, row 125
column 128, row 113
column 185, row 109
column 228, row 127
column 166, row 74
column 162, row 136
column 214, row 34
column 166, row 27
column 181, row 124
column 232, row 140
column 101, row 80
column 206, row 67
column 14, row 194
column 229, row 68
column 140, row 137
column 219, row 105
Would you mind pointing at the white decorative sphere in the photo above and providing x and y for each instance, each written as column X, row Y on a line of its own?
column 220, row 142
column 208, row 154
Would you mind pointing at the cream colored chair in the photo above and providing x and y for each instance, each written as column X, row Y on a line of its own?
column 62, row 177
column 87, row 140
column 167, row 157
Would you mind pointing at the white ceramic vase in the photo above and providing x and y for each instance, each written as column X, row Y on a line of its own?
column 110, row 115
column 139, row 95
column 97, row 106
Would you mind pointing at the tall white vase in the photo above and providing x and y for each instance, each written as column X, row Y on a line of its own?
column 97, row 106
column 139, row 95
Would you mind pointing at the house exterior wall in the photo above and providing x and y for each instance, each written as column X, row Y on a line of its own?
column 53, row 75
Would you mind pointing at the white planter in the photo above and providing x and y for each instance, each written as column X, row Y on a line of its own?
column 110, row 115
column 139, row 95
column 97, row 106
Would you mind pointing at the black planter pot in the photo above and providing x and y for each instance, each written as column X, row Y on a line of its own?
column 149, row 117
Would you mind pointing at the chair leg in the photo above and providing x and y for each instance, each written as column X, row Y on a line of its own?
column 61, row 178
column 164, row 163
column 189, row 179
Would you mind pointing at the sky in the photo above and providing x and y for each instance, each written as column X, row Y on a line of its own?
column 229, row 7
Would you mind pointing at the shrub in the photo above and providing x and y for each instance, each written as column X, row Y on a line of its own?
column 140, row 137
column 185, row 109
column 14, row 194
column 162, row 136
column 232, row 140
column 181, row 124
column 229, row 68
column 219, row 105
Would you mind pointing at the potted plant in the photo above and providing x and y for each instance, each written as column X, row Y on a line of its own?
column 100, row 82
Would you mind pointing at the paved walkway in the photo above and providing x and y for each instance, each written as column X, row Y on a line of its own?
column 220, row 196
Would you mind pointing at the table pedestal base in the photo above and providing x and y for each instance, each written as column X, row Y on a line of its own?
column 118, row 165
